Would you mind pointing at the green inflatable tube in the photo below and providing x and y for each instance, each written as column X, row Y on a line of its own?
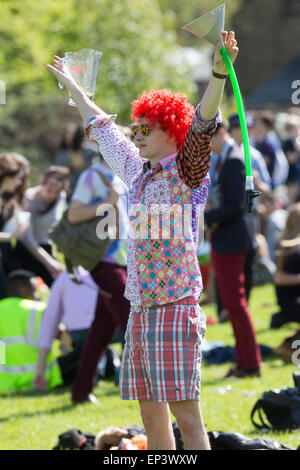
column 240, row 107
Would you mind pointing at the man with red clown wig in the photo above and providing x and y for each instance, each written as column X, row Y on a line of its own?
column 165, row 166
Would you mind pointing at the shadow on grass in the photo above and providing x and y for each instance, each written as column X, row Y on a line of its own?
column 38, row 413
column 217, row 381
column 57, row 391
column 269, row 357
column 111, row 393
column 286, row 330
column 263, row 330
column 279, row 364
column 36, row 393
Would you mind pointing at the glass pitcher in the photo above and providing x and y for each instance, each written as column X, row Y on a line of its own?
column 83, row 66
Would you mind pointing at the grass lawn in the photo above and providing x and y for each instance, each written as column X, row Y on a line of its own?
column 34, row 420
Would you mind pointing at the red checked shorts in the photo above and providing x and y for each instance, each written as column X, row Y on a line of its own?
column 162, row 357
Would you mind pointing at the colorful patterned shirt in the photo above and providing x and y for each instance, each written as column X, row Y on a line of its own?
column 161, row 269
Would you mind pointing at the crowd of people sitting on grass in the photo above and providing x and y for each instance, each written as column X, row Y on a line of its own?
column 89, row 312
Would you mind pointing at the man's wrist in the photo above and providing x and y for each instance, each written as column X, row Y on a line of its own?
column 220, row 76
column 222, row 69
column 76, row 91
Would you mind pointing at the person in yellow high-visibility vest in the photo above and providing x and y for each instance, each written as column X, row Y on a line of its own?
column 20, row 317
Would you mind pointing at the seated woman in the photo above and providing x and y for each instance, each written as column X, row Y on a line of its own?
column 14, row 212
column 46, row 203
column 10, row 180
column 287, row 277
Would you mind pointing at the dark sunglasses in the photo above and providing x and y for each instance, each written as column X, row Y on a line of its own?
column 12, row 173
column 144, row 128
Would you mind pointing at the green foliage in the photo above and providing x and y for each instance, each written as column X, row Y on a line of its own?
column 137, row 41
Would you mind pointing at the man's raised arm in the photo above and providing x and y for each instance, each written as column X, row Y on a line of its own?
column 212, row 97
column 86, row 107
column 193, row 159
column 121, row 154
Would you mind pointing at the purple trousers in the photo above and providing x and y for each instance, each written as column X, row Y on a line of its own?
column 112, row 312
column 229, row 269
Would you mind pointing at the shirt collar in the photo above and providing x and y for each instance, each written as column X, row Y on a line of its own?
column 161, row 165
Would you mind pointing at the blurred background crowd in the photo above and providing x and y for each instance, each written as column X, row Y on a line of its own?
column 43, row 152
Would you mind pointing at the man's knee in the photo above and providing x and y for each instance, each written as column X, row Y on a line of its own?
column 154, row 416
column 188, row 418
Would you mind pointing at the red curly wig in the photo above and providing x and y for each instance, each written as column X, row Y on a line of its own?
column 171, row 110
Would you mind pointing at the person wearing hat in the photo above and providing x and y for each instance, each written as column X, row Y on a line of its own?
column 261, row 175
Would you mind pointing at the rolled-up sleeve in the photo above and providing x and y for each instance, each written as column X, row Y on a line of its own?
column 193, row 160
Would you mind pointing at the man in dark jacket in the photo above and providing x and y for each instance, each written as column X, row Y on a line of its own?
column 232, row 236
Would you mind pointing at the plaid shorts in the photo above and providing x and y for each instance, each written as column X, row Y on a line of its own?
column 162, row 357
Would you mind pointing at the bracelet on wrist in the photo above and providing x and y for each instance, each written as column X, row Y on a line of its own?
column 219, row 75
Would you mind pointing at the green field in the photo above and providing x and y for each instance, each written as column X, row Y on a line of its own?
column 34, row 420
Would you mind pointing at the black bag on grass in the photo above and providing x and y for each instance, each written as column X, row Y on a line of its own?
column 75, row 439
column 237, row 441
column 280, row 407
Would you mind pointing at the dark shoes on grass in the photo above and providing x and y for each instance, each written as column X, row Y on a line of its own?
column 277, row 320
column 239, row 373
column 90, row 399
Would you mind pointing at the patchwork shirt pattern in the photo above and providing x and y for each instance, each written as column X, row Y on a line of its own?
column 162, row 244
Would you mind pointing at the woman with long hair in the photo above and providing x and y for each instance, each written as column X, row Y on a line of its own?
column 46, row 203
column 10, row 180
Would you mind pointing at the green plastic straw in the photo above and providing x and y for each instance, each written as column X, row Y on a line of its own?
column 240, row 107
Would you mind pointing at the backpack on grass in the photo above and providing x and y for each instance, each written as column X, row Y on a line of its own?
column 281, row 408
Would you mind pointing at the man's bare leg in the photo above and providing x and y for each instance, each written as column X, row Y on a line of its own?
column 189, row 419
column 156, row 420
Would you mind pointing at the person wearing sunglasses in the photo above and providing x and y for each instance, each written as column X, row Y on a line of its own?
column 166, row 165
column 10, row 181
